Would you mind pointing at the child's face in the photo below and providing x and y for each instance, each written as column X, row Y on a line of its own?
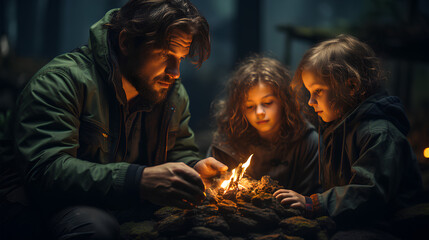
column 263, row 110
column 320, row 96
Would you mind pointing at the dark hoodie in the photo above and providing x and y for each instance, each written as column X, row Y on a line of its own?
column 367, row 167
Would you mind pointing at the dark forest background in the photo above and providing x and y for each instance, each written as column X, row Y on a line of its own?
column 34, row 31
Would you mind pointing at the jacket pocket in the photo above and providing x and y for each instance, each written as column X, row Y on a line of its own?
column 94, row 142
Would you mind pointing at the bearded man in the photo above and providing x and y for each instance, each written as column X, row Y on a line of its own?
column 104, row 129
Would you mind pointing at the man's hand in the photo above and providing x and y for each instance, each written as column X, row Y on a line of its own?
column 172, row 184
column 208, row 168
column 290, row 198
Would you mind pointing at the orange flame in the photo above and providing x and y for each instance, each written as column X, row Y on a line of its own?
column 236, row 177
column 245, row 166
column 226, row 182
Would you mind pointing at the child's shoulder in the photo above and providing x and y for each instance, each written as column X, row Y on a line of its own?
column 380, row 115
column 379, row 128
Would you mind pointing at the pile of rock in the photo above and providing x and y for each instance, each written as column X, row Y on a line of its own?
column 250, row 213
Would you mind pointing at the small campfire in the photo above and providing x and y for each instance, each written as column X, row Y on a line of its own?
column 236, row 175
column 240, row 208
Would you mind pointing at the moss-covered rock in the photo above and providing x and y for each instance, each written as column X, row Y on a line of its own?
column 250, row 212
column 173, row 224
column 165, row 212
column 203, row 233
column 138, row 230
column 300, row 226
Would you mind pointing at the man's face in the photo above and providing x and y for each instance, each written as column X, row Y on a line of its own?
column 320, row 96
column 153, row 71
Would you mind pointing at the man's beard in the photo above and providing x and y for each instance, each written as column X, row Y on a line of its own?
column 145, row 88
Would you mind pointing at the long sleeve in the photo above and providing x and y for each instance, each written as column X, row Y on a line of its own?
column 47, row 139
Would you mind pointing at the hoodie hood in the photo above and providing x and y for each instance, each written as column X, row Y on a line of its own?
column 378, row 106
column 382, row 106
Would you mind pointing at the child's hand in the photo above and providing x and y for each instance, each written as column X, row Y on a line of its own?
column 290, row 198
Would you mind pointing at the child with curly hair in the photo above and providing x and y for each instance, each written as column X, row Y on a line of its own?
column 260, row 115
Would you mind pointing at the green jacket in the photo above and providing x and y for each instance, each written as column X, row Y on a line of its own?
column 367, row 166
column 81, row 142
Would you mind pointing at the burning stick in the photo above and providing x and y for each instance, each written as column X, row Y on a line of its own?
column 237, row 174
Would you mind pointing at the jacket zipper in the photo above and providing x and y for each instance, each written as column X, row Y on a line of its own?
column 162, row 148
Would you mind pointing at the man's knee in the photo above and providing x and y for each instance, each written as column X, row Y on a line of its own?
column 83, row 222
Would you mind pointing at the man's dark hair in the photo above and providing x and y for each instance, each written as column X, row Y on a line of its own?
column 151, row 22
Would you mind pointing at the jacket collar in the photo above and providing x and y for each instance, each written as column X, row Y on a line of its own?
column 99, row 43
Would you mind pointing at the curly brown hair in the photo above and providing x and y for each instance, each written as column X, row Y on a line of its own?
column 230, row 111
column 151, row 22
column 348, row 66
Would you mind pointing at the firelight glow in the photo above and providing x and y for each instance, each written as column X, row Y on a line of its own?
column 245, row 166
column 236, row 177
column 426, row 152
column 226, row 182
